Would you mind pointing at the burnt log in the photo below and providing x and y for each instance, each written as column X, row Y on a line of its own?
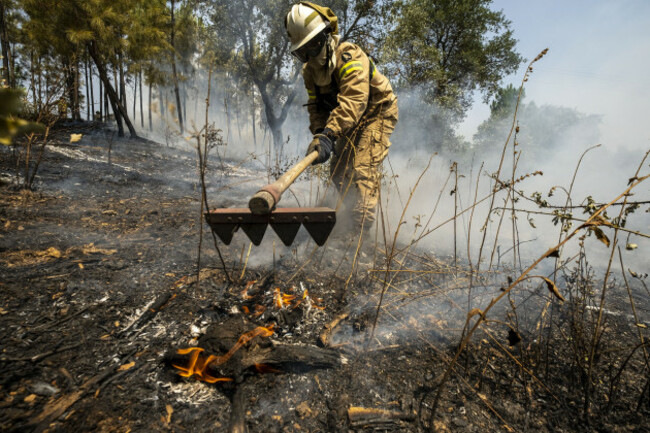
column 295, row 358
column 374, row 418
column 231, row 348
column 276, row 357
column 237, row 423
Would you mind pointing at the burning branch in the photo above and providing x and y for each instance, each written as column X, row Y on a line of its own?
column 198, row 364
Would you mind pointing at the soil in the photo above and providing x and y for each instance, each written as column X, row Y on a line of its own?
column 98, row 270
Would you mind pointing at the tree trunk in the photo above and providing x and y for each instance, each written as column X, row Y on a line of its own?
column 122, row 82
column 32, row 80
column 179, row 108
column 276, row 133
column 101, row 100
column 184, row 101
column 275, row 121
column 69, row 86
column 141, row 110
column 6, row 49
column 40, row 85
column 116, row 83
column 150, row 107
column 116, row 113
column 196, row 102
column 76, row 112
column 225, row 107
column 237, row 119
column 118, row 109
column 87, row 92
column 135, row 96
column 92, row 91
column 12, row 64
column 253, row 116
column 161, row 101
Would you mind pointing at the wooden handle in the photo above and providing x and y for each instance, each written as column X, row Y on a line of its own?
column 266, row 198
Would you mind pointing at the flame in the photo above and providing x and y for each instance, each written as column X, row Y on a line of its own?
column 259, row 310
column 198, row 364
column 311, row 300
column 282, row 300
column 245, row 309
column 263, row 368
column 244, row 293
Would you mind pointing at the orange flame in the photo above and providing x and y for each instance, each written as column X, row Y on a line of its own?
column 198, row 364
column 259, row 310
column 244, row 293
column 263, row 368
column 282, row 299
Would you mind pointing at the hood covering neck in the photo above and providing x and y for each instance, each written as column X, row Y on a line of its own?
column 324, row 63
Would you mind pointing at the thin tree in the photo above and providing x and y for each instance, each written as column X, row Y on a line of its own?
column 179, row 109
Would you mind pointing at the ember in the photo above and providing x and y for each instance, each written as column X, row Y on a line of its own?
column 282, row 300
column 244, row 293
column 259, row 310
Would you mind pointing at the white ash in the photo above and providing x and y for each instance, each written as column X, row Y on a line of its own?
column 193, row 393
column 78, row 154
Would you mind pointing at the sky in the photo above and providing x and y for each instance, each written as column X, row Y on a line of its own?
column 598, row 63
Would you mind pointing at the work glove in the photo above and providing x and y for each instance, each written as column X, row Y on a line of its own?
column 322, row 143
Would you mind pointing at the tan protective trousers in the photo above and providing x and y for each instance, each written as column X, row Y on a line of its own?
column 356, row 165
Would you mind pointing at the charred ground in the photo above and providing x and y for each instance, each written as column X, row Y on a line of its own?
column 100, row 288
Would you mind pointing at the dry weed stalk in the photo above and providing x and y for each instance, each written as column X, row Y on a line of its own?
column 391, row 254
column 594, row 221
column 598, row 332
column 202, row 151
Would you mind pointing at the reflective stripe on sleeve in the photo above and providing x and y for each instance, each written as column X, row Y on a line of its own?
column 312, row 95
column 349, row 67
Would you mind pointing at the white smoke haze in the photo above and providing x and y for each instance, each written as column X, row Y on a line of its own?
column 427, row 310
column 603, row 173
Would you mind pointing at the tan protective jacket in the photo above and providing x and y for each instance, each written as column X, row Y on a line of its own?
column 357, row 88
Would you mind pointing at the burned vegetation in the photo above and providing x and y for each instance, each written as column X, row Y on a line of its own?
column 138, row 294
column 108, row 326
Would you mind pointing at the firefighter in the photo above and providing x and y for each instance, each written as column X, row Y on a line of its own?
column 352, row 107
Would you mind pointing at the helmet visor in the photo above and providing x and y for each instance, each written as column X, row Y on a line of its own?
column 311, row 49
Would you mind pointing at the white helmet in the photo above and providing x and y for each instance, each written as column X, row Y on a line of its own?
column 303, row 24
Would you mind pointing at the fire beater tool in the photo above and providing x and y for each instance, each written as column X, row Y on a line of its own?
column 262, row 211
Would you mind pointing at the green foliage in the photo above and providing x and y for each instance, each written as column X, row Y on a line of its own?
column 259, row 52
column 10, row 124
column 451, row 48
column 364, row 22
column 541, row 128
column 505, row 101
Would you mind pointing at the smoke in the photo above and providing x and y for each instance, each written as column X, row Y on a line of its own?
column 551, row 139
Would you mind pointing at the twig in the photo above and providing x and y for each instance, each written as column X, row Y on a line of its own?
column 392, row 251
column 243, row 271
column 42, row 355
column 482, row 314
